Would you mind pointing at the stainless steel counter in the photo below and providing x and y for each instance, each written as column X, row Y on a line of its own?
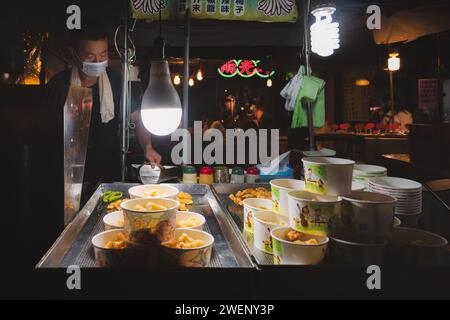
column 73, row 247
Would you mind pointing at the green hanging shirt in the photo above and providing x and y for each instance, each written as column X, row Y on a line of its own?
column 312, row 90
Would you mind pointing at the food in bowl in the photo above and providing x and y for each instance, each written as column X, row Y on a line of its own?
column 113, row 220
column 240, row 196
column 184, row 242
column 154, row 193
column 293, row 247
column 295, row 237
column 188, row 223
column 149, row 206
column 120, row 242
column 188, row 248
column 184, row 199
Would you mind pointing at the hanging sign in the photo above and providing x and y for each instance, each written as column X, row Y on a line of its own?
column 240, row 10
column 428, row 95
column 243, row 68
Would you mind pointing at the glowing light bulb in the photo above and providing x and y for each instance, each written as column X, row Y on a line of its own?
column 324, row 32
column 161, row 106
column 191, row 82
column 269, row 82
column 176, row 80
column 393, row 62
column 199, row 75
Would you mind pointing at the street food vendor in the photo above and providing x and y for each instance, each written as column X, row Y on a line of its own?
column 90, row 69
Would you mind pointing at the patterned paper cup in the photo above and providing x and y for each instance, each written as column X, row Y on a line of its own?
column 131, row 256
column 149, row 227
column 251, row 206
column 330, row 176
column 313, row 213
column 280, row 189
column 188, row 258
column 287, row 252
column 265, row 221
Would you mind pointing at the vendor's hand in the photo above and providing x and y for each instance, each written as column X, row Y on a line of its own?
column 152, row 156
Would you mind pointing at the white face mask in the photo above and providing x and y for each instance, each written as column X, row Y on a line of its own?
column 94, row 69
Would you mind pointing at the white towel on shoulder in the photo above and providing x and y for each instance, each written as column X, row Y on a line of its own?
column 105, row 93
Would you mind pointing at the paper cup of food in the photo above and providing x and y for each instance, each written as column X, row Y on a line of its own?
column 190, row 220
column 252, row 205
column 355, row 250
column 409, row 246
column 293, row 247
column 154, row 191
column 113, row 220
column 265, row 222
column 112, row 249
column 313, row 213
column 366, row 214
column 188, row 248
column 280, row 189
column 149, row 221
column 326, row 175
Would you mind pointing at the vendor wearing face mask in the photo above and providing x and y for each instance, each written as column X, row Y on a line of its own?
column 90, row 69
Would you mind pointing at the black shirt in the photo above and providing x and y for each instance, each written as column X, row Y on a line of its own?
column 103, row 151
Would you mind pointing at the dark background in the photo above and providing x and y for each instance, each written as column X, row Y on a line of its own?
column 31, row 133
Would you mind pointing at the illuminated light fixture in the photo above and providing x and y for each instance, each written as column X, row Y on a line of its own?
column 269, row 82
column 176, row 80
column 393, row 62
column 191, row 82
column 362, row 83
column 199, row 75
column 161, row 105
column 324, row 32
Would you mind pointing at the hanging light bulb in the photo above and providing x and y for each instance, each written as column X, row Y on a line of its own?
column 199, row 75
column 191, row 82
column 269, row 82
column 161, row 105
column 324, row 32
column 176, row 80
column 393, row 62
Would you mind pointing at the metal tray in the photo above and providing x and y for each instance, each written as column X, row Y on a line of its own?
column 222, row 191
column 73, row 247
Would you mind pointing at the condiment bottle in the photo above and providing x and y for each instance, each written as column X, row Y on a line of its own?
column 237, row 175
column 206, row 176
column 252, row 175
column 189, row 175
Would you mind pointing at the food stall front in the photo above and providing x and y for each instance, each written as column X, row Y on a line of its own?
column 250, row 231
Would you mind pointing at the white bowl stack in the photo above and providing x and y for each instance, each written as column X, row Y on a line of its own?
column 364, row 172
column 408, row 193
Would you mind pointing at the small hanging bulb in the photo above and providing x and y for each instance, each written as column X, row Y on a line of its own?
column 199, row 75
column 393, row 62
column 176, row 80
column 191, row 82
column 269, row 82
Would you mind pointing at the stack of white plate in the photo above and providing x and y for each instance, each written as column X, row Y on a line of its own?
column 408, row 193
column 363, row 172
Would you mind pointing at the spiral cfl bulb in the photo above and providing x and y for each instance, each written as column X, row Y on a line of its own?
column 324, row 32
